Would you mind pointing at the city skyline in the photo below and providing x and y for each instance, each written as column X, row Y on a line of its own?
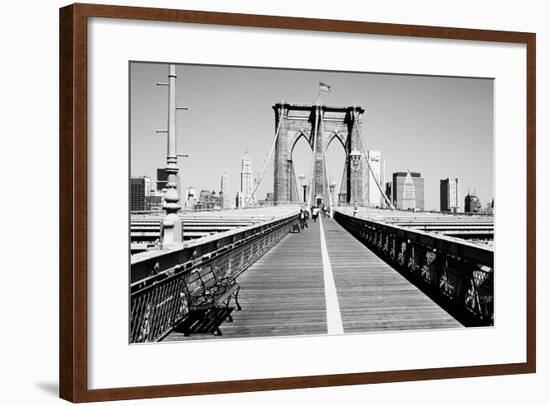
column 302, row 179
column 468, row 101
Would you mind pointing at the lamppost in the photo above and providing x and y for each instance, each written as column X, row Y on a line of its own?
column 355, row 157
column 172, row 229
column 302, row 179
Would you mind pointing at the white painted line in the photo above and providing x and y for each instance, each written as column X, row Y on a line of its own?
column 334, row 318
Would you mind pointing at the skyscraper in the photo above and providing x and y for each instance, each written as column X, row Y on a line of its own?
column 403, row 194
column 246, row 177
column 140, row 190
column 162, row 180
column 472, row 203
column 239, row 200
column 408, row 201
column 223, row 189
column 448, row 194
column 155, row 201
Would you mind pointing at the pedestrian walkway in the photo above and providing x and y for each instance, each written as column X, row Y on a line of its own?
column 325, row 281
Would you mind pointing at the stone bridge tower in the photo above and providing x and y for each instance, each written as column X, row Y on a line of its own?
column 319, row 125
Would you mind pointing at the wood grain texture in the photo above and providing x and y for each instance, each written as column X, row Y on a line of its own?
column 372, row 295
column 73, row 203
column 66, row 297
column 283, row 293
column 73, row 200
column 531, row 198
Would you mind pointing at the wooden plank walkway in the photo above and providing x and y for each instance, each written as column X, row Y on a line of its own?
column 284, row 294
column 372, row 295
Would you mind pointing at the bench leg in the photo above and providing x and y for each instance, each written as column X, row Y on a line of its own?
column 229, row 317
column 212, row 318
column 236, row 294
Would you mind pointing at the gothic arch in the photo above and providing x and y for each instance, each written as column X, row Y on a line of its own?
column 319, row 125
column 339, row 137
column 300, row 134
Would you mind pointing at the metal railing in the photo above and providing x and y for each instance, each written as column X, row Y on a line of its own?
column 160, row 285
column 457, row 274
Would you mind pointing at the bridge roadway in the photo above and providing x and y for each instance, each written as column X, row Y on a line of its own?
column 323, row 281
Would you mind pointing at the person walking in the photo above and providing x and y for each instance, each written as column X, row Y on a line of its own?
column 315, row 213
column 302, row 218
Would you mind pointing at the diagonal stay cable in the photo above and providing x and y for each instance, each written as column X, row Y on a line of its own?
column 266, row 162
column 377, row 181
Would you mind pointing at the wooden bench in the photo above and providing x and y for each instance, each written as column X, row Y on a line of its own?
column 209, row 298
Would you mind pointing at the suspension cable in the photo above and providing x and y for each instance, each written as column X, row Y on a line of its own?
column 266, row 161
column 377, row 181
column 296, row 183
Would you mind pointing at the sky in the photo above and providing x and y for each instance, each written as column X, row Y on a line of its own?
column 438, row 126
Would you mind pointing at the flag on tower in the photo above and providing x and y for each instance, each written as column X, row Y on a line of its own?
column 323, row 87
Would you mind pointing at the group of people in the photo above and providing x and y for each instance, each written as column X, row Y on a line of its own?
column 314, row 212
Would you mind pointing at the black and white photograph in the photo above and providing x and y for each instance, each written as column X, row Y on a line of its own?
column 269, row 202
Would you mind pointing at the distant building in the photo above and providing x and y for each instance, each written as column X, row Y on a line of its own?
column 448, row 195
column 472, row 204
column 204, row 196
column 246, row 177
column 389, row 191
column 184, row 196
column 202, row 201
column 408, row 191
column 162, row 180
column 191, row 193
column 239, row 200
column 208, row 200
column 155, row 201
column 373, row 176
column 490, row 207
column 223, row 191
column 408, row 201
column 216, row 199
column 140, row 190
column 188, row 198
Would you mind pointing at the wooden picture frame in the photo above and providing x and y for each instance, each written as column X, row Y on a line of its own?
column 73, row 175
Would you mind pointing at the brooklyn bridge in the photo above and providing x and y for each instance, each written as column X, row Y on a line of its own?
column 274, row 271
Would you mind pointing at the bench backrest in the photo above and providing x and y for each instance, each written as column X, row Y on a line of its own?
column 199, row 281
